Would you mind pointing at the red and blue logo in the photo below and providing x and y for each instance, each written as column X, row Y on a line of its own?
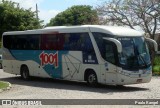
column 51, row 58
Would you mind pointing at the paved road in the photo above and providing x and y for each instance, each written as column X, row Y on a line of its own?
column 39, row 88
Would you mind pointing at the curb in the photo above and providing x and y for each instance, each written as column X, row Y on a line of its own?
column 5, row 89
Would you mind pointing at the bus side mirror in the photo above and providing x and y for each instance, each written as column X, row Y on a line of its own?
column 152, row 42
column 117, row 42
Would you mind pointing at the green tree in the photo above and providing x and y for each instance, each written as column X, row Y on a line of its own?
column 14, row 18
column 76, row 15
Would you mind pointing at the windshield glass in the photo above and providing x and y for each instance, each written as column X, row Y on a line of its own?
column 135, row 53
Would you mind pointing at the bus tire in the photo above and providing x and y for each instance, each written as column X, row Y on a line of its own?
column 25, row 73
column 92, row 78
column 0, row 65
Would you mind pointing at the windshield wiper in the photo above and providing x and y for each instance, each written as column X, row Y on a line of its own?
column 140, row 56
column 142, row 59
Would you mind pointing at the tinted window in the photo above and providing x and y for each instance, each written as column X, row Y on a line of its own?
column 99, row 40
column 72, row 42
column 33, row 42
column 61, row 40
column 106, row 48
column 64, row 41
column 7, row 42
column 109, row 52
column 77, row 42
column 21, row 42
column 49, row 42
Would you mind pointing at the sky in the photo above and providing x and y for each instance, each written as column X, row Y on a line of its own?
column 50, row 8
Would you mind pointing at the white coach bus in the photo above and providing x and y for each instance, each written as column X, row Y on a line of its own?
column 92, row 53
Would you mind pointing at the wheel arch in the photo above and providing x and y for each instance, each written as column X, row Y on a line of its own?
column 23, row 65
column 87, row 72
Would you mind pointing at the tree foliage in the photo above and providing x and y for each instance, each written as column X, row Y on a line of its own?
column 14, row 18
column 76, row 15
column 142, row 13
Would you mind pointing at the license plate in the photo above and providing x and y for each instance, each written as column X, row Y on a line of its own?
column 139, row 80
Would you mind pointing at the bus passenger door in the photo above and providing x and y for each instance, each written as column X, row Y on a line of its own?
column 109, row 68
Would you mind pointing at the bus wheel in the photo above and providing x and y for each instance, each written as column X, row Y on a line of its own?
column 92, row 78
column 25, row 73
column 0, row 65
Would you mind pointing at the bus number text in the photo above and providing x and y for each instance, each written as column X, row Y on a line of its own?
column 51, row 59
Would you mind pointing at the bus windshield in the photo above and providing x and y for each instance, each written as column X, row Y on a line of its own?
column 135, row 53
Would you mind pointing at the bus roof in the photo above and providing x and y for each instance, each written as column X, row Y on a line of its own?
column 113, row 30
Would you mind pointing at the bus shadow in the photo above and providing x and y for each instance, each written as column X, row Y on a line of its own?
column 70, row 85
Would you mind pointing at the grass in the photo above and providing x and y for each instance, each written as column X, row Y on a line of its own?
column 3, row 85
column 156, row 67
column 156, row 70
column 157, row 60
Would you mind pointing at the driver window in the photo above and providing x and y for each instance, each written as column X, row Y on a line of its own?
column 109, row 53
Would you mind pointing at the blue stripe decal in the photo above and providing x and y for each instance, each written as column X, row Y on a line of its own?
column 51, row 61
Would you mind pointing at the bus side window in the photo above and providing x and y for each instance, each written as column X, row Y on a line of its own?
column 66, row 42
column 71, row 42
column 7, row 42
column 49, row 42
column 77, row 42
column 87, row 44
column 33, row 42
column 60, row 41
column 89, row 56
